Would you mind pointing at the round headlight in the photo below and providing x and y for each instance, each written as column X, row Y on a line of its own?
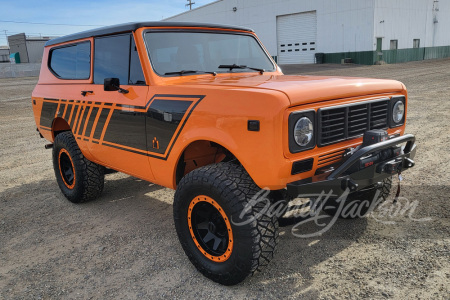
column 303, row 131
column 398, row 111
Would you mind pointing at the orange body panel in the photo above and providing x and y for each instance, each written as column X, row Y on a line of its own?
column 218, row 111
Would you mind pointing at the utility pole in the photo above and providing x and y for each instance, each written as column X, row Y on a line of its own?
column 189, row 4
column 9, row 51
column 7, row 42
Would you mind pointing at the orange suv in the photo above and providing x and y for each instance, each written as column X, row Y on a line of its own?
column 204, row 109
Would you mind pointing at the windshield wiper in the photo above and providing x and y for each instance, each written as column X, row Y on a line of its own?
column 190, row 72
column 235, row 66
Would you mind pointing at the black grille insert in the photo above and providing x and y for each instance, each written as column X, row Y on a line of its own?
column 349, row 121
column 302, row 166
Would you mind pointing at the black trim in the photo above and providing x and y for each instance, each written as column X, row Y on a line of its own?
column 127, row 27
column 253, row 125
column 293, row 118
column 342, row 178
column 391, row 122
column 302, row 166
column 346, row 107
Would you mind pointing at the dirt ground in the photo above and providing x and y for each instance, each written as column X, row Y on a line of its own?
column 124, row 245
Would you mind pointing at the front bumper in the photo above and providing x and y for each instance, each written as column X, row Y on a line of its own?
column 342, row 178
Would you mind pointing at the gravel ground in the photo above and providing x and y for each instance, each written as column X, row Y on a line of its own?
column 124, row 244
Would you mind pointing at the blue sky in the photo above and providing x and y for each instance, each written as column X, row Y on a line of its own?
column 82, row 12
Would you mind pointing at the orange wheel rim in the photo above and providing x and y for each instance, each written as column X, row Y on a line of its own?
column 66, row 168
column 210, row 228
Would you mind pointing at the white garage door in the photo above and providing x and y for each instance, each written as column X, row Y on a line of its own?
column 296, row 38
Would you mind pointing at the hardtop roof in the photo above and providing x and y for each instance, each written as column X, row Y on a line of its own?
column 126, row 27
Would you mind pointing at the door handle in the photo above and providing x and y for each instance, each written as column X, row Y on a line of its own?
column 84, row 93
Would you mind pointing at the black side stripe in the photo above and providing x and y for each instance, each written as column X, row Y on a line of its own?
column 90, row 122
column 61, row 109
column 74, row 115
column 182, row 125
column 67, row 114
column 101, row 123
column 156, row 96
column 82, row 120
column 149, row 154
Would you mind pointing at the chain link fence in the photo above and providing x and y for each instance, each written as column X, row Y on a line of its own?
column 8, row 70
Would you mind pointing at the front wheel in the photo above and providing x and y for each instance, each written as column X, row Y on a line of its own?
column 224, row 234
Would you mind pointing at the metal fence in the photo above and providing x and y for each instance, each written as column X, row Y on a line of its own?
column 390, row 56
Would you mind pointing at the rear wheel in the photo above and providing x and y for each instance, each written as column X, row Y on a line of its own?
column 359, row 204
column 78, row 178
column 224, row 234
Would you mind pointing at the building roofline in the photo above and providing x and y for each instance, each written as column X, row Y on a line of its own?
column 188, row 11
column 127, row 27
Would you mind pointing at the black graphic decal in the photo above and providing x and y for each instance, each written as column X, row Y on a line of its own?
column 128, row 129
column 101, row 123
column 163, row 119
column 48, row 113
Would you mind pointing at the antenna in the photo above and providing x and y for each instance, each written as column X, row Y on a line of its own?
column 189, row 4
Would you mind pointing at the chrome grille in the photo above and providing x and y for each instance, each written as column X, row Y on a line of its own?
column 344, row 122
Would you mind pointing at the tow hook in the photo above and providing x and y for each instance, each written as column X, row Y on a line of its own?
column 350, row 184
column 409, row 163
column 48, row 146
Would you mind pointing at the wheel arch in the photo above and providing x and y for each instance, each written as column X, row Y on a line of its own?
column 202, row 152
column 59, row 125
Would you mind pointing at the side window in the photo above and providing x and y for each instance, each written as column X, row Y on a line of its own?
column 113, row 59
column 136, row 74
column 72, row 61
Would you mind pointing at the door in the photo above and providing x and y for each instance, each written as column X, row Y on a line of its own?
column 297, row 38
column 379, row 49
column 116, row 122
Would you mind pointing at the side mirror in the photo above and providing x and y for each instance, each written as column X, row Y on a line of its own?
column 113, row 84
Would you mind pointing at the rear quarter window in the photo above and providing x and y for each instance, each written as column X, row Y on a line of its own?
column 71, row 61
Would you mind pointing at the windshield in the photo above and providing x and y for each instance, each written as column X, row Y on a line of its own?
column 172, row 52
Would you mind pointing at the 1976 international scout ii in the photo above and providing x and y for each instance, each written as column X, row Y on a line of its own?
column 204, row 109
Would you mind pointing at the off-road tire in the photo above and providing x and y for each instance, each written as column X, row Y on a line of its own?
column 232, row 188
column 88, row 176
column 332, row 207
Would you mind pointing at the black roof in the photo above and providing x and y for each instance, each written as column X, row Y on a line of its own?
column 132, row 27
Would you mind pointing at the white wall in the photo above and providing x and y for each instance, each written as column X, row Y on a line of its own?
column 405, row 20
column 345, row 25
column 35, row 50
